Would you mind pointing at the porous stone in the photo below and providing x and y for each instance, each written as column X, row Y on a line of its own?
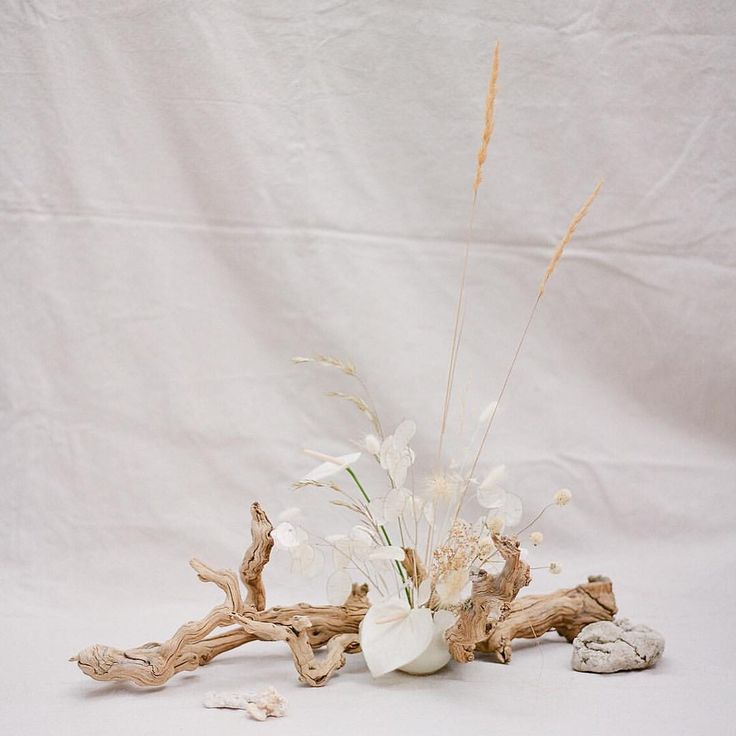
column 615, row 646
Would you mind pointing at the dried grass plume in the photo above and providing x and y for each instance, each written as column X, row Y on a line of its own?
column 488, row 127
column 576, row 220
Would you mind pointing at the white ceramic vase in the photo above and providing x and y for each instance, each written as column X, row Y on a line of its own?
column 436, row 655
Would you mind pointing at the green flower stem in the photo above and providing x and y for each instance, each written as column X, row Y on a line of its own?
column 383, row 531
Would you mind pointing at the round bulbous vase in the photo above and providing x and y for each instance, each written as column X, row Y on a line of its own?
column 436, row 655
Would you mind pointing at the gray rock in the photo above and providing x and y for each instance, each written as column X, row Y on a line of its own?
column 613, row 646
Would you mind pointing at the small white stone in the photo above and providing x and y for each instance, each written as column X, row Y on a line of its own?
column 615, row 646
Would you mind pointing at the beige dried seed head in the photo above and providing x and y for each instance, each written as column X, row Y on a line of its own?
column 576, row 220
column 489, row 121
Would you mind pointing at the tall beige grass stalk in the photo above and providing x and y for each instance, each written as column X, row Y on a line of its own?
column 556, row 256
column 576, row 220
column 460, row 311
column 488, row 128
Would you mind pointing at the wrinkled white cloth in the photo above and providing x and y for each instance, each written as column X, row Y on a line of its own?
column 194, row 192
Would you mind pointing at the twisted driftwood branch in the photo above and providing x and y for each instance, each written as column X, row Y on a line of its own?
column 490, row 600
column 566, row 611
column 490, row 620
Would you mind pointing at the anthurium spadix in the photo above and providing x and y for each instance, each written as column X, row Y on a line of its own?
column 392, row 634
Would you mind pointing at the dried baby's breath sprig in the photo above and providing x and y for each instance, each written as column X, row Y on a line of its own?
column 555, row 568
column 576, row 220
column 536, row 538
column 343, row 365
column 488, row 128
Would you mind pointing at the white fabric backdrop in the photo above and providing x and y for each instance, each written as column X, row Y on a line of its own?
column 193, row 192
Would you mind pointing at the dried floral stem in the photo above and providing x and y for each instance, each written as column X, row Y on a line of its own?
column 501, row 393
column 355, row 564
column 556, row 256
column 535, row 519
column 576, row 220
column 364, row 405
column 460, row 309
column 386, row 537
column 489, row 122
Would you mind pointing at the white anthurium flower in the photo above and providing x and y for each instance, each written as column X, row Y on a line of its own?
column 388, row 552
column 339, row 587
column 393, row 634
column 437, row 654
column 330, row 466
column 395, row 455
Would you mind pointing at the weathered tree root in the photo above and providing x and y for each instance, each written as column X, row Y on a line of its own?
column 488, row 623
column 565, row 611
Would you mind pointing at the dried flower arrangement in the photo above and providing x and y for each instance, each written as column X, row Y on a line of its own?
column 442, row 587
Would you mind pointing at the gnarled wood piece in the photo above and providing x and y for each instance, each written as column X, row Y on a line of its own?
column 256, row 557
column 294, row 632
column 566, row 611
column 154, row 663
column 490, row 601
column 488, row 622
